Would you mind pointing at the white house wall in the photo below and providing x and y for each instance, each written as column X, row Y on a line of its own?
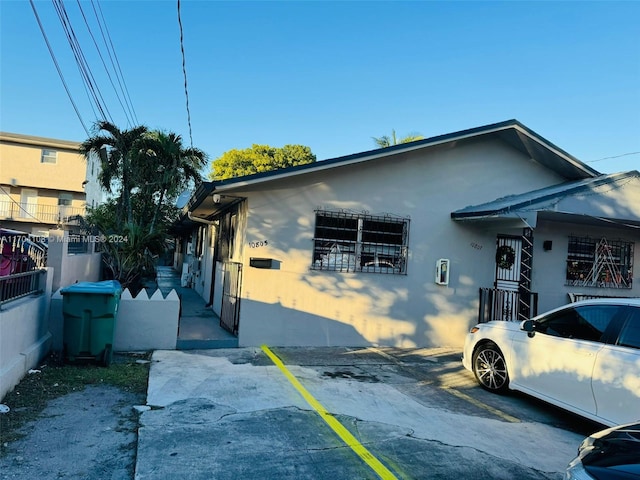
column 549, row 267
column 291, row 305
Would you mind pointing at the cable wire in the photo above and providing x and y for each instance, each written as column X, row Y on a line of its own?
column 615, row 156
column 81, row 62
column 55, row 62
column 129, row 120
column 184, row 71
column 20, row 204
column 123, row 84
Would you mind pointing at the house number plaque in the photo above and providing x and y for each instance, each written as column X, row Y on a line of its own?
column 261, row 243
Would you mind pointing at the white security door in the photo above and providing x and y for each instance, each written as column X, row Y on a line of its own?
column 507, row 278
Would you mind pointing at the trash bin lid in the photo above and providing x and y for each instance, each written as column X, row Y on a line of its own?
column 107, row 287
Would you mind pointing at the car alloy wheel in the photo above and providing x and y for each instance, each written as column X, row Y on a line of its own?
column 490, row 368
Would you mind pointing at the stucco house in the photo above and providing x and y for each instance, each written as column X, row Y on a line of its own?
column 412, row 244
column 44, row 182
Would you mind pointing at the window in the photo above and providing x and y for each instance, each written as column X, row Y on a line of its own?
column 352, row 242
column 630, row 333
column 65, row 199
column 49, row 156
column 599, row 263
column 582, row 323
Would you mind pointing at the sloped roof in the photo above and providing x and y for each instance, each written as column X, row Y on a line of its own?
column 18, row 138
column 548, row 199
column 511, row 132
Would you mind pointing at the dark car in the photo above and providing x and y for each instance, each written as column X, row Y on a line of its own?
column 611, row 454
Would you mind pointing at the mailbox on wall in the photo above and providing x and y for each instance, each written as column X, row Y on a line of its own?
column 442, row 271
column 261, row 262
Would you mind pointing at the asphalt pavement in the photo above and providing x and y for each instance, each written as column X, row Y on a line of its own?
column 340, row 413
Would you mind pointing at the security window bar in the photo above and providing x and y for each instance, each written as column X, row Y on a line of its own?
column 49, row 156
column 599, row 263
column 352, row 242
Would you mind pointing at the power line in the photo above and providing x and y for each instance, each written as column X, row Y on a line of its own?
column 55, row 61
column 129, row 120
column 184, row 71
column 81, row 62
column 123, row 84
column 615, row 156
column 20, row 205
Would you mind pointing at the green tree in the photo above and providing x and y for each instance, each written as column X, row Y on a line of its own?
column 388, row 141
column 258, row 159
column 165, row 168
column 115, row 148
column 145, row 170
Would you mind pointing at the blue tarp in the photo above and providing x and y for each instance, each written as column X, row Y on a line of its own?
column 107, row 287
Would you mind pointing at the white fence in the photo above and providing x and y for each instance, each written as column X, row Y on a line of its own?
column 142, row 323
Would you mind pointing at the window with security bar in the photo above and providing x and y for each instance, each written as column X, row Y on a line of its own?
column 359, row 242
column 599, row 263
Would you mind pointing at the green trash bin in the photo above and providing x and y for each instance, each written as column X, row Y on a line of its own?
column 90, row 310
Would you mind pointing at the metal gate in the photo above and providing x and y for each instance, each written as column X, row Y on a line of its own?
column 507, row 279
column 230, row 313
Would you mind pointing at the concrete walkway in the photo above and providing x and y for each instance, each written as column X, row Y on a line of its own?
column 199, row 326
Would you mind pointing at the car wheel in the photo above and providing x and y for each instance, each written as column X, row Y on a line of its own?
column 490, row 368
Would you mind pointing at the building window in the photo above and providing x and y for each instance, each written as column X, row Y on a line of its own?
column 65, row 199
column 358, row 242
column 49, row 156
column 599, row 263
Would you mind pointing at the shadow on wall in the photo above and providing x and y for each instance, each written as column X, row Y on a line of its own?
column 278, row 326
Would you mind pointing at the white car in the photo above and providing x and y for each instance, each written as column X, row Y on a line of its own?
column 583, row 357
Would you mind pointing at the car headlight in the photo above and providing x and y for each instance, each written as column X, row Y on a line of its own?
column 575, row 471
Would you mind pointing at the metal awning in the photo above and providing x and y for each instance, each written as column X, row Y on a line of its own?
column 607, row 199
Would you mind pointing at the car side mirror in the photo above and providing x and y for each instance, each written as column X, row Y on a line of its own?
column 529, row 326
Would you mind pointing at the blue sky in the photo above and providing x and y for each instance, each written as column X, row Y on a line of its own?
column 331, row 75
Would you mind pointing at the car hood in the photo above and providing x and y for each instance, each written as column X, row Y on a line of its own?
column 501, row 325
column 616, row 448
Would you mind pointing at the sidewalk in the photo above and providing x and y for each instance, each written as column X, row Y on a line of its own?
column 199, row 326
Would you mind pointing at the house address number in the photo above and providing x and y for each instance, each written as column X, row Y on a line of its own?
column 261, row 243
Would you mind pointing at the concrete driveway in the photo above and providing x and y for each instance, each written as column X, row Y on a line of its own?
column 342, row 413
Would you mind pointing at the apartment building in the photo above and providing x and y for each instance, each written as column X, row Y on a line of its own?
column 44, row 182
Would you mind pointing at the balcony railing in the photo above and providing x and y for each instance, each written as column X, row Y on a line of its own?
column 507, row 305
column 29, row 212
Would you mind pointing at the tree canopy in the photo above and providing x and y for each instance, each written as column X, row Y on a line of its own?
column 388, row 141
column 258, row 159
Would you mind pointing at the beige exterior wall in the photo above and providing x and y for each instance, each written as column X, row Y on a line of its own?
column 294, row 305
column 24, row 174
column 22, row 164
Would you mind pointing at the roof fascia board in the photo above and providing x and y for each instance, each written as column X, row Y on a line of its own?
column 616, row 177
column 554, row 149
column 322, row 165
column 241, row 182
column 39, row 141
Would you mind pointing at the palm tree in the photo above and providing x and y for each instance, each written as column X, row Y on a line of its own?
column 115, row 148
column 170, row 166
column 386, row 141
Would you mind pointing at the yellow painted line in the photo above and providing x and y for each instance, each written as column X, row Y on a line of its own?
column 449, row 385
column 484, row 406
column 335, row 425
